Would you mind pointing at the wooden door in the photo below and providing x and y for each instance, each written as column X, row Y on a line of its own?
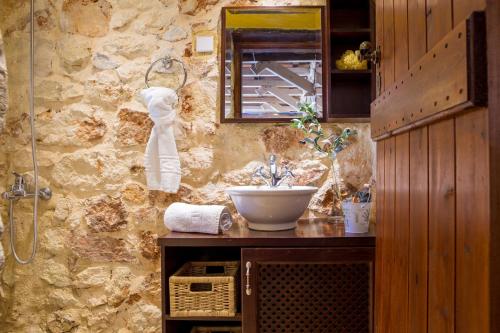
column 433, row 172
column 307, row 290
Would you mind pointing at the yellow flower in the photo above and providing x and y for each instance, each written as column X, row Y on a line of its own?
column 350, row 61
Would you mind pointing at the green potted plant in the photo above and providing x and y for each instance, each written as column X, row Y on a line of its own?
column 326, row 143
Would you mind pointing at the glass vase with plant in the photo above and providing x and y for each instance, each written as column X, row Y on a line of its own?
column 330, row 144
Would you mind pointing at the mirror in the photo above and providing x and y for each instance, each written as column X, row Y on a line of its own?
column 272, row 60
column 3, row 84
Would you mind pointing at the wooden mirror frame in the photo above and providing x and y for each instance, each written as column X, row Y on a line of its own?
column 325, row 64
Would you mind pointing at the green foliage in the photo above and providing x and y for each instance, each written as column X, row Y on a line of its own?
column 316, row 137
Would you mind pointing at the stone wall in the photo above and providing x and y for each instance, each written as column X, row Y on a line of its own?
column 97, row 269
column 3, row 84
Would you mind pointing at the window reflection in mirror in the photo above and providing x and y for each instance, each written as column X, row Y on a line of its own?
column 273, row 61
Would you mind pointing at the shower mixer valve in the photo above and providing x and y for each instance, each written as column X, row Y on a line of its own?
column 18, row 190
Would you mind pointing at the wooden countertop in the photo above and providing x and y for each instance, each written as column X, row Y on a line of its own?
column 316, row 232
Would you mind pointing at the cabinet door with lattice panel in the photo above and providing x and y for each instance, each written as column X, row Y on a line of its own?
column 307, row 290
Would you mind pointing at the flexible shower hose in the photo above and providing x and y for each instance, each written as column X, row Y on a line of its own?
column 33, row 153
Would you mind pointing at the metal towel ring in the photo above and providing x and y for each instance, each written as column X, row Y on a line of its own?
column 167, row 64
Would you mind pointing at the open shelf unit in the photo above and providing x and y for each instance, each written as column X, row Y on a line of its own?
column 351, row 22
column 173, row 258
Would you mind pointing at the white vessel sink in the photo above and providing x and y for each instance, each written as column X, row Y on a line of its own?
column 271, row 208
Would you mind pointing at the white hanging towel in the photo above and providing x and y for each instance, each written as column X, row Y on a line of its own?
column 209, row 219
column 161, row 160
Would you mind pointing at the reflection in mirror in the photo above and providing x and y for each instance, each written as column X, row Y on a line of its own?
column 3, row 84
column 273, row 60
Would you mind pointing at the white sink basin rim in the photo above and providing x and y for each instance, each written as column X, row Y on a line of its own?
column 271, row 208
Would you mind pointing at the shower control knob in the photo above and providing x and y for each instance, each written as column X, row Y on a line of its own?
column 45, row 193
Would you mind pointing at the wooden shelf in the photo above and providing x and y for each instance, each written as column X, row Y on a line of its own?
column 236, row 318
column 347, row 72
column 350, row 33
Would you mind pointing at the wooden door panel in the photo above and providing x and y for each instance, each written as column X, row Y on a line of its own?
column 399, row 298
column 472, row 222
column 419, row 228
column 417, row 30
column 388, row 49
column 439, row 20
column 385, row 239
column 401, row 38
column 379, row 35
column 441, row 308
column 380, row 281
column 307, row 290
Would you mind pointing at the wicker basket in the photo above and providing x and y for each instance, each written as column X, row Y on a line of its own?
column 216, row 330
column 207, row 289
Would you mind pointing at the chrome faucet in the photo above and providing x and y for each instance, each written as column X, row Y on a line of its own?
column 18, row 190
column 274, row 178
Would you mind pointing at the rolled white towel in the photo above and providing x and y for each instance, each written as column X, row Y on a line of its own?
column 194, row 218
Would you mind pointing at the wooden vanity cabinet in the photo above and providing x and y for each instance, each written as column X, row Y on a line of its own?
column 314, row 279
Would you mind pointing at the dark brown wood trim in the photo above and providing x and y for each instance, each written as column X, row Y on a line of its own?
column 349, row 119
column 309, row 233
column 255, row 120
column 325, row 61
column 477, row 82
column 493, row 52
column 222, row 66
column 236, row 81
column 236, row 318
column 184, row 240
column 163, row 283
column 329, row 66
column 278, row 8
column 308, row 255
